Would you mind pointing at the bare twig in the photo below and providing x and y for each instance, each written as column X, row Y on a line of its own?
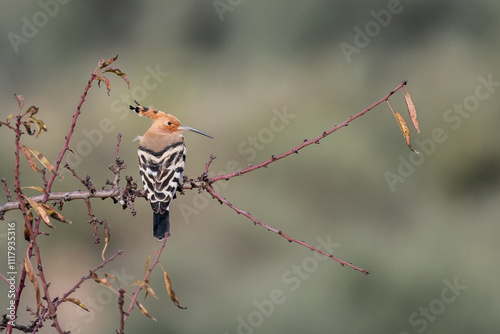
column 279, row 232
column 305, row 143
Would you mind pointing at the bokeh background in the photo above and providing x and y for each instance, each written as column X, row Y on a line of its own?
column 230, row 68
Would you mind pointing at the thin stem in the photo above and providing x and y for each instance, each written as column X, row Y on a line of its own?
column 279, row 232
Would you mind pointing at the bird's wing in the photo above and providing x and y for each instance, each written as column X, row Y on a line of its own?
column 162, row 172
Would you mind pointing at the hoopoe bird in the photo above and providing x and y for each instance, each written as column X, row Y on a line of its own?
column 162, row 156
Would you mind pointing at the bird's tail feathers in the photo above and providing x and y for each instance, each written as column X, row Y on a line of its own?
column 161, row 224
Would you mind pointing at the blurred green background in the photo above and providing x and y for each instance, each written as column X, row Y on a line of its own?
column 230, row 68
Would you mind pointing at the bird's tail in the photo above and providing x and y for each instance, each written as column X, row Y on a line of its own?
column 161, row 224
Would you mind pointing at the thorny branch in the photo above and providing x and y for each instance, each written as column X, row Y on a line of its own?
column 126, row 196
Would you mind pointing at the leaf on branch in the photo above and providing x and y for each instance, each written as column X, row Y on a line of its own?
column 43, row 160
column 107, row 235
column 170, row 290
column 103, row 281
column 27, row 126
column 34, row 280
column 146, row 287
column 105, row 63
column 20, row 101
column 40, row 211
column 119, row 73
column 54, row 214
column 76, row 302
column 105, row 80
column 9, row 117
column 26, row 231
column 32, row 110
column 411, row 110
column 143, row 310
column 40, row 189
column 39, row 124
column 403, row 126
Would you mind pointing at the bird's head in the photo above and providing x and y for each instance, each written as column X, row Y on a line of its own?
column 164, row 122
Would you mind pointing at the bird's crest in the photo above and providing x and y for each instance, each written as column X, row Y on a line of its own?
column 148, row 112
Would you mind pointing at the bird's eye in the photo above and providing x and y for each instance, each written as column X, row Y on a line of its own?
column 169, row 123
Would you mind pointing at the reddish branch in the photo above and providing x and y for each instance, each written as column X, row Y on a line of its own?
column 279, row 232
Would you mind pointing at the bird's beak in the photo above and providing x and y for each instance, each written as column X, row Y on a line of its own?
column 183, row 127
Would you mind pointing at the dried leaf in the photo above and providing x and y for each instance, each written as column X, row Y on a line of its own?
column 146, row 287
column 40, row 189
column 102, row 281
column 34, row 280
column 43, row 160
column 143, row 310
column 107, row 235
column 27, row 126
column 32, row 110
column 76, row 302
column 105, row 80
column 27, row 153
column 40, row 211
column 404, row 130
column 9, row 117
column 39, row 124
column 20, row 101
column 54, row 214
column 171, row 293
column 105, row 63
column 119, row 73
column 26, row 231
column 411, row 110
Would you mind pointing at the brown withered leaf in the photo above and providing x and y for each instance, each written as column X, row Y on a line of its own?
column 105, row 63
column 146, row 287
column 39, row 124
column 107, row 235
column 119, row 73
column 43, row 160
column 32, row 110
column 170, row 290
column 143, row 310
column 100, row 78
column 27, row 126
column 101, row 281
column 27, row 153
column 40, row 189
column 26, row 231
column 411, row 110
column 20, row 101
column 76, row 302
column 40, row 211
column 33, row 280
column 403, row 126
column 54, row 214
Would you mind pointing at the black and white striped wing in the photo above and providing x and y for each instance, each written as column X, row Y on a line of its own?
column 162, row 172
